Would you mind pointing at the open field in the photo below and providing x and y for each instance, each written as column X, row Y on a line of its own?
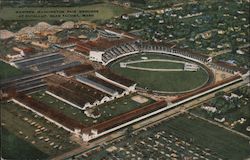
column 158, row 65
column 181, row 137
column 11, row 147
column 106, row 111
column 242, row 112
column 35, row 131
column 161, row 81
column 100, row 11
column 7, row 71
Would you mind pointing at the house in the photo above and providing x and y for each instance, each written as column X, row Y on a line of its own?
column 15, row 56
column 209, row 108
column 240, row 52
column 233, row 95
column 220, row 120
column 125, row 17
column 248, row 128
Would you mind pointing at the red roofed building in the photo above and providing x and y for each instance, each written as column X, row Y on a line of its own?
column 95, row 49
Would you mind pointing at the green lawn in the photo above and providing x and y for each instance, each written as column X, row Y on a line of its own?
column 25, row 125
column 107, row 110
column 104, row 11
column 11, row 147
column 7, row 71
column 158, row 65
column 161, row 81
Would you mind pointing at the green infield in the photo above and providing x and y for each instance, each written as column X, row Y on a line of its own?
column 158, row 65
column 106, row 111
column 174, row 81
column 7, row 71
column 36, row 133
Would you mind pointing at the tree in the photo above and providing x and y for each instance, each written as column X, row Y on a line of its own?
column 220, row 93
column 129, row 131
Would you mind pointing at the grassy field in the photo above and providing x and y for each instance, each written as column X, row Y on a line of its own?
column 107, row 110
column 159, row 65
column 7, row 71
column 242, row 112
column 102, row 11
column 161, row 81
column 35, row 131
column 183, row 137
column 11, row 147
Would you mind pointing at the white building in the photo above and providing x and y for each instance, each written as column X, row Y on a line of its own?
column 96, row 55
column 191, row 67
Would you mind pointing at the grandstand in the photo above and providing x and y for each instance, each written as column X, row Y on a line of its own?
column 119, row 51
column 155, row 48
column 95, row 48
column 158, row 48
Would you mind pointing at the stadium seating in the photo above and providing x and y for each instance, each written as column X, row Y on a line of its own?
column 135, row 47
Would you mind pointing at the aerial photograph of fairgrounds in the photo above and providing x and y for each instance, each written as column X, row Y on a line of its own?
column 125, row 79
